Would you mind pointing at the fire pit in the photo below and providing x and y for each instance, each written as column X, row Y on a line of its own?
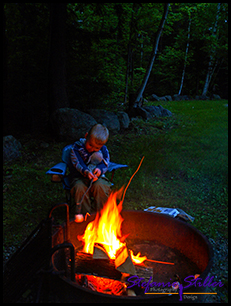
column 174, row 250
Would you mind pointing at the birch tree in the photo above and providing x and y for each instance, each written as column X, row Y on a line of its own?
column 212, row 63
column 186, row 55
column 152, row 57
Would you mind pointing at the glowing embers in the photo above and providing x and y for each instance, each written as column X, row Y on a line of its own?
column 102, row 284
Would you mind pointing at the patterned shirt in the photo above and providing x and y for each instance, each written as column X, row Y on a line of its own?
column 81, row 158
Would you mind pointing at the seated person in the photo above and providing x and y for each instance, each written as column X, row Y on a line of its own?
column 90, row 159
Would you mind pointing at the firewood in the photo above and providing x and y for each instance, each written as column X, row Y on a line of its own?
column 144, row 272
column 123, row 262
column 131, row 292
column 85, row 264
column 99, row 252
column 127, row 267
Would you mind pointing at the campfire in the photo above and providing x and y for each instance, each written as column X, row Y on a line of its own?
column 96, row 258
column 105, row 231
column 172, row 249
column 103, row 240
column 93, row 260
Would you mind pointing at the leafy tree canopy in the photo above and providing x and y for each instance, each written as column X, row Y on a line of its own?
column 105, row 42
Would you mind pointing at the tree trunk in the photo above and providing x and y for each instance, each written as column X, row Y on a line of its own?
column 211, row 58
column 57, row 95
column 153, row 56
column 208, row 77
column 185, row 60
column 129, row 72
column 4, row 49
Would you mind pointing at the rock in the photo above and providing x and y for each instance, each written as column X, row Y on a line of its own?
column 216, row 97
column 109, row 119
column 157, row 111
column 123, row 119
column 11, row 148
column 202, row 97
column 166, row 113
column 168, row 98
column 141, row 111
column 154, row 98
column 176, row 98
column 71, row 124
column 162, row 99
column 181, row 98
column 186, row 97
column 148, row 112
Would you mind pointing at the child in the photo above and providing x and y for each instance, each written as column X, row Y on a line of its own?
column 90, row 158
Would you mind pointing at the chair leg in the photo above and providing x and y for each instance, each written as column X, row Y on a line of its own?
column 68, row 197
column 112, row 175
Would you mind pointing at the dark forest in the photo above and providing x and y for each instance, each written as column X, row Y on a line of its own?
column 96, row 55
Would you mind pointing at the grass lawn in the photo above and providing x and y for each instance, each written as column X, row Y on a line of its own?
column 185, row 166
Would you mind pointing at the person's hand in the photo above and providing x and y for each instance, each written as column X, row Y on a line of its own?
column 91, row 176
column 97, row 172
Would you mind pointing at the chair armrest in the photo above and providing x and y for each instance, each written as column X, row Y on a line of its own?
column 114, row 166
column 59, row 169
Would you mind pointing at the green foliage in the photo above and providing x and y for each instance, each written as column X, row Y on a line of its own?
column 98, row 36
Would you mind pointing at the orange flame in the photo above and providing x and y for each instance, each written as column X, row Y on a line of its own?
column 136, row 258
column 106, row 228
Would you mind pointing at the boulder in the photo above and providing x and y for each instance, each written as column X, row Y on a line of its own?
column 154, row 97
column 109, row 119
column 166, row 113
column 186, row 97
column 162, row 99
column 158, row 111
column 216, row 97
column 11, row 148
column 145, row 114
column 123, row 119
column 202, row 97
column 155, row 111
column 168, row 98
column 181, row 98
column 148, row 112
column 71, row 124
column 177, row 98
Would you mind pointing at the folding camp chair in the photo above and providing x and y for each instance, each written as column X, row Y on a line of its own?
column 59, row 171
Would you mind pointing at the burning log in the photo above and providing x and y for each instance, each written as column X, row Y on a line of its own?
column 123, row 262
column 101, row 284
column 85, row 264
column 98, row 272
column 99, row 252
